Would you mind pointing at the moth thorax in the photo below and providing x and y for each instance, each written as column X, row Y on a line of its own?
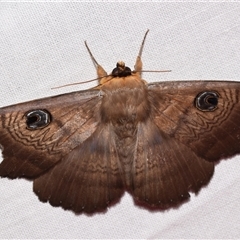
column 125, row 106
column 121, row 70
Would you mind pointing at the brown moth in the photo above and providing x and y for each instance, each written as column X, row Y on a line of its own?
column 158, row 141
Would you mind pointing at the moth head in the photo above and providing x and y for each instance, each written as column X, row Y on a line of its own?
column 121, row 70
column 37, row 119
column 207, row 101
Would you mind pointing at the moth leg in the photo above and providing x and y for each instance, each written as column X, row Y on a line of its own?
column 138, row 66
column 138, row 63
column 101, row 73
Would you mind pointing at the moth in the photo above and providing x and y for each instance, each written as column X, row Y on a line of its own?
column 157, row 141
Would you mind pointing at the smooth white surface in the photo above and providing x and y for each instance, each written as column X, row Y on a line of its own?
column 41, row 46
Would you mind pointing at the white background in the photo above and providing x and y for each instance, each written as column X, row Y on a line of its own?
column 42, row 46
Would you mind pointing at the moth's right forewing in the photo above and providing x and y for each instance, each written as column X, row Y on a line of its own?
column 30, row 152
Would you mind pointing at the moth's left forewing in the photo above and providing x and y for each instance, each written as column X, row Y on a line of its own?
column 212, row 134
column 29, row 150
